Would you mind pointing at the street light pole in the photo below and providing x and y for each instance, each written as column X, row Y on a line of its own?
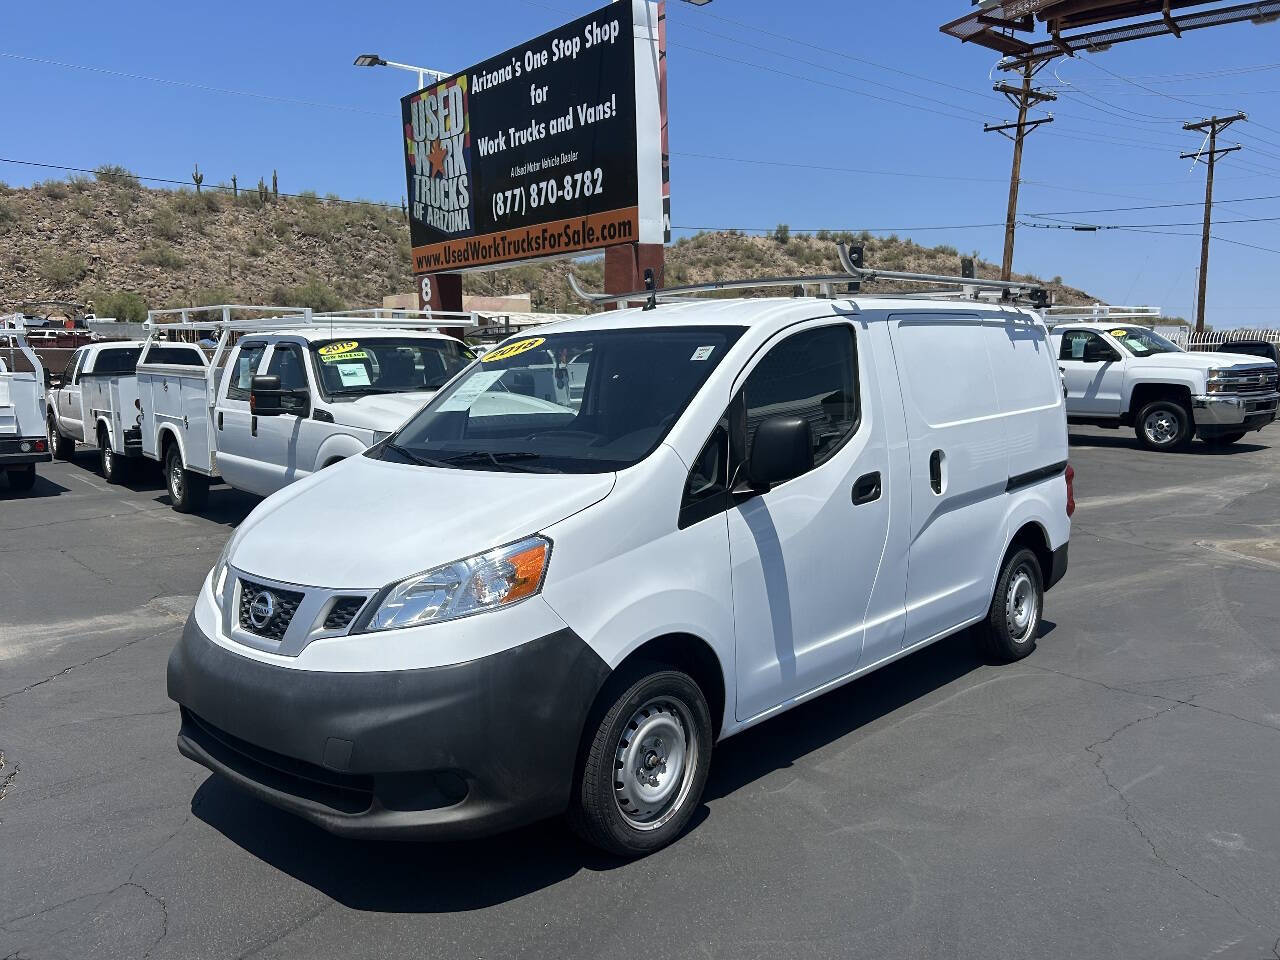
column 373, row 60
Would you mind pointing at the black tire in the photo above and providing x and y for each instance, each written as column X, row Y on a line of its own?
column 188, row 492
column 620, row 729
column 113, row 467
column 1225, row 439
column 22, row 479
column 1163, row 425
column 62, row 448
column 1013, row 622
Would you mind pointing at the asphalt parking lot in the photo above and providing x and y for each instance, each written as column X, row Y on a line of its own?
column 1113, row 795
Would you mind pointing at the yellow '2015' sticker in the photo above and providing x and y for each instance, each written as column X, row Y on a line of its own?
column 512, row 349
column 1119, row 333
column 342, row 346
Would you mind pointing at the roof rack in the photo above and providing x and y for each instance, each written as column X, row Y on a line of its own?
column 969, row 287
column 288, row 318
column 1075, row 313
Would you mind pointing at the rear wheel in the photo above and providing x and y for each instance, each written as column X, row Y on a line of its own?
column 62, row 448
column 187, row 491
column 1163, row 425
column 645, row 763
column 1225, row 439
column 1013, row 622
column 22, row 478
column 113, row 466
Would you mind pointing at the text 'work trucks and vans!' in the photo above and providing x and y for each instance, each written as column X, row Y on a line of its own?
column 296, row 395
column 513, row 608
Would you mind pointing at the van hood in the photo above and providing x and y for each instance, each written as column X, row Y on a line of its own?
column 364, row 523
column 380, row 411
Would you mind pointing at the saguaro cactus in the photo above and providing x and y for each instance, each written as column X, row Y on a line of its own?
column 275, row 186
column 235, row 187
column 198, row 178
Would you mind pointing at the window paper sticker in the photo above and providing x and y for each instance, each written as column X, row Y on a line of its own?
column 702, row 353
column 465, row 395
column 353, row 374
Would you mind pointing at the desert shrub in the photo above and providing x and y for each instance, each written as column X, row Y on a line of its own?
column 314, row 293
column 193, row 203
column 209, row 295
column 282, row 228
column 117, row 176
column 84, row 206
column 165, row 225
column 6, row 213
column 55, row 189
column 121, row 304
column 77, row 183
column 160, row 255
column 256, row 246
column 62, row 270
column 782, row 233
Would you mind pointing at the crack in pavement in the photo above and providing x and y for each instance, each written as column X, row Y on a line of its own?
column 84, row 663
column 9, row 777
column 1095, row 749
column 287, row 931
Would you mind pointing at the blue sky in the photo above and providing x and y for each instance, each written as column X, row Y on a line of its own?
column 741, row 87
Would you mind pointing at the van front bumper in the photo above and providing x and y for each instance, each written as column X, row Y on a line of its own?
column 453, row 751
column 1223, row 413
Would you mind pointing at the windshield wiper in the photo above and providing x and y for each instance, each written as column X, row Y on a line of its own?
column 504, row 460
column 417, row 458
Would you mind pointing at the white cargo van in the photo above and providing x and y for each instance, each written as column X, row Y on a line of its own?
column 297, row 393
column 516, row 607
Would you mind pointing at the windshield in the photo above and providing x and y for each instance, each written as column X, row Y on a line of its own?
column 1142, row 342
column 117, row 360
column 387, row 364
column 590, row 402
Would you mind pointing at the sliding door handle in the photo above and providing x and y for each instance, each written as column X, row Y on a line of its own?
column 867, row 488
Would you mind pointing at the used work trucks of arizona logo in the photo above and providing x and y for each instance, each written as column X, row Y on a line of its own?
column 438, row 146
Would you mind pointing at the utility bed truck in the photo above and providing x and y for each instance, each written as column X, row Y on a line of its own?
column 22, row 440
column 95, row 401
column 1121, row 373
column 286, row 396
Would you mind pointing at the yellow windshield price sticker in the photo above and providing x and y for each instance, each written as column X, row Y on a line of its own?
column 1119, row 333
column 512, row 349
column 344, row 357
column 342, row 346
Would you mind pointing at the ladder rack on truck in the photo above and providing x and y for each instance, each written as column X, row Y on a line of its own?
column 338, row 381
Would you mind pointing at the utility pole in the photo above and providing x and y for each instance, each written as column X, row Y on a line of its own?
column 1213, row 126
column 1023, row 97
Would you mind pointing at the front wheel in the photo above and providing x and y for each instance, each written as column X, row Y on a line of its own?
column 22, row 478
column 187, row 491
column 1013, row 622
column 62, row 448
column 645, row 762
column 1163, row 425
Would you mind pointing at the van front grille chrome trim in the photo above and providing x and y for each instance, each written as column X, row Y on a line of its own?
column 282, row 618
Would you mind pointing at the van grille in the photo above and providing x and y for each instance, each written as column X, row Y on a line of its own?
column 267, row 611
column 342, row 612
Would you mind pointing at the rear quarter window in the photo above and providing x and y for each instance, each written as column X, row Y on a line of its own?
column 179, row 356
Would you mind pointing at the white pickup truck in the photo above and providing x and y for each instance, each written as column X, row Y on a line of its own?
column 22, row 440
column 294, row 396
column 1122, row 374
column 95, row 401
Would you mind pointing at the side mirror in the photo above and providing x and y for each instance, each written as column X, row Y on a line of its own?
column 781, row 450
column 1095, row 352
column 267, row 399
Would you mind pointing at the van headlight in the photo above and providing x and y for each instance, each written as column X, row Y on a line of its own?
column 485, row 581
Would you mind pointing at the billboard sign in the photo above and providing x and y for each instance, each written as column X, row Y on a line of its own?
column 551, row 148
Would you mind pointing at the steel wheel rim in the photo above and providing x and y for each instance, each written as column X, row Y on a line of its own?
column 1161, row 426
column 1021, row 606
column 654, row 763
column 175, row 479
column 108, row 465
column 53, row 436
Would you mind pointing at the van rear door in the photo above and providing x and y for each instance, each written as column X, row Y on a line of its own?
column 959, row 466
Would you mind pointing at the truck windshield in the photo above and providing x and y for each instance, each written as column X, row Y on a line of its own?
column 1142, row 342
column 590, row 402
column 387, row 364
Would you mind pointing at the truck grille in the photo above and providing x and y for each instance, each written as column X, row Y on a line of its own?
column 1244, row 382
column 266, row 611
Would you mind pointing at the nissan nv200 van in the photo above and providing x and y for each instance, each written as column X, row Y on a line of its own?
column 601, row 549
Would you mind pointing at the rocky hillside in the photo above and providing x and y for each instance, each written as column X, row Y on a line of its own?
column 123, row 247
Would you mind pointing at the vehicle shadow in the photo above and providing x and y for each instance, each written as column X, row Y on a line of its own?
column 44, row 487
column 227, row 506
column 396, row 877
column 1123, row 440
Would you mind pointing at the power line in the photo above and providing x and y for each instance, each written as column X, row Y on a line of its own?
column 1154, row 206
column 328, row 198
